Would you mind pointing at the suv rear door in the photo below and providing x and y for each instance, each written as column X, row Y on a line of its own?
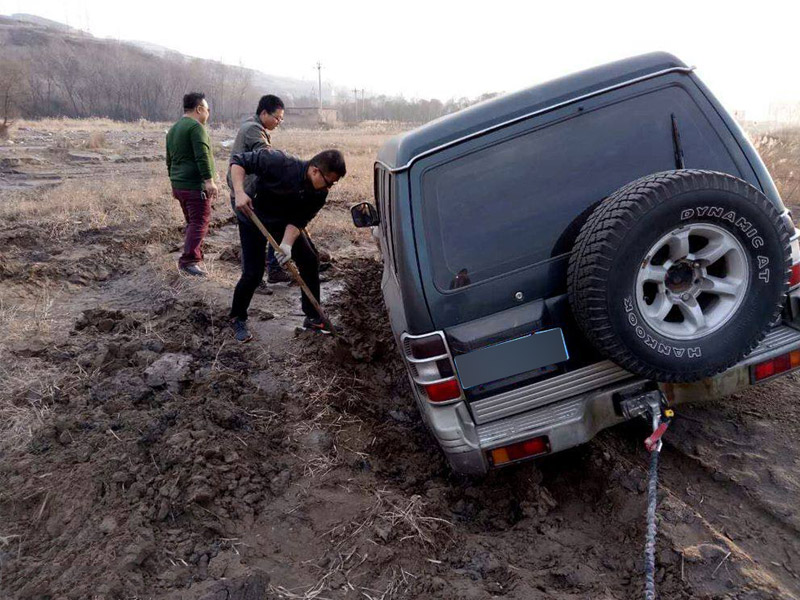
column 495, row 216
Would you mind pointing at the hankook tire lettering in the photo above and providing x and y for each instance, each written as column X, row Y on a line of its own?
column 653, row 343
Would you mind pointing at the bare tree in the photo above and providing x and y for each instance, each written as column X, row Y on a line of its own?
column 13, row 87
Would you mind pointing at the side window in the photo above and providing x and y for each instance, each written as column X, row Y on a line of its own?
column 388, row 216
column 380, row 198
column 383, row 202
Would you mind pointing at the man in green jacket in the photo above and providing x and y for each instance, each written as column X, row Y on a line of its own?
column 190, row 164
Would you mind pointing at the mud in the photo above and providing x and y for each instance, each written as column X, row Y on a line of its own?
column 171, row 462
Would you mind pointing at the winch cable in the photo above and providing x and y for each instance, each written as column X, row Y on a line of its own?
column 650, row 543
column 653, row 444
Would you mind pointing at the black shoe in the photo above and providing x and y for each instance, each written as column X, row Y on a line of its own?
column 317, row 325
column 195, row 270
column 324, row 266
column 241, row 333
column 278, row 276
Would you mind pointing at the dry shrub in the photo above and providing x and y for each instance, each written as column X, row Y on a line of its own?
column 97, row 139
column 5, row 129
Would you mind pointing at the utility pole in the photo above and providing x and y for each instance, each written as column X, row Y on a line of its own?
column 363, row 104
column 319, row 74
column 355, row 100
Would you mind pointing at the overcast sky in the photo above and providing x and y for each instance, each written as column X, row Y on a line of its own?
column 747, row 52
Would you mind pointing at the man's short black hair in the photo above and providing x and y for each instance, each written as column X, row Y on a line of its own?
column 192, row 100
column 269, row 103
column 330, row 162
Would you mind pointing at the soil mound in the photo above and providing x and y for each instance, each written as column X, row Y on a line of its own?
column 159, row 451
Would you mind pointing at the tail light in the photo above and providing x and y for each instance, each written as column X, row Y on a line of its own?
column 794, row 278
column 443, row 391
column 775, row 366
column 514, row 452
column 431, row 366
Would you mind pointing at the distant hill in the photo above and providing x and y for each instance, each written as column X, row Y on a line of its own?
column 72, row 73
column 42, row 22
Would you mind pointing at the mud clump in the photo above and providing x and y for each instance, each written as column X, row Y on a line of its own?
column 169, row 370
column 106, row 321
column 232, row 254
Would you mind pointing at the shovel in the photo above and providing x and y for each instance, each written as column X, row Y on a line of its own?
column 292, row 268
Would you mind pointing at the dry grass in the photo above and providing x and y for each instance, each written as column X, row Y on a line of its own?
column 26, row 392
column 33, row 320
column 93, row 203
column 403, row 519
column 89, row 125
column 780, row 151
column 359, row 147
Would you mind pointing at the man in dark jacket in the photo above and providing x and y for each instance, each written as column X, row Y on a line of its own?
column 286, row 194
column 190, row 165
column 254, row 135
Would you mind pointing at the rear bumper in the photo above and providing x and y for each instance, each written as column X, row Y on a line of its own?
column 572, row 408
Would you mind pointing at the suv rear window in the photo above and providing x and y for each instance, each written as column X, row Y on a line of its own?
column 504, row 207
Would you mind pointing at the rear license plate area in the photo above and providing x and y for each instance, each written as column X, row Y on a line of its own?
column 510, row 358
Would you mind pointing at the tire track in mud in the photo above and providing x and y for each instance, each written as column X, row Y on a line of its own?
column 729, row 537
column 765, row 538
column 736, row 466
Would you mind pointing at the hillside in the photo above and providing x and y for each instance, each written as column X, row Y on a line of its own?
column 67, row 72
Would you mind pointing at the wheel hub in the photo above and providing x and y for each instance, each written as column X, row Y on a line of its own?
column 692, row 281
column 680, row 277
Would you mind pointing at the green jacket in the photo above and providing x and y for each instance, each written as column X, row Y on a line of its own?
column 189, row 157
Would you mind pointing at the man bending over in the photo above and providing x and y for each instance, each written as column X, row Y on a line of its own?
column 285, row 195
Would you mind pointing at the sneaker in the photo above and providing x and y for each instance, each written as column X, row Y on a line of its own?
column 324, row 266
column 240, row 331
column 317, row 325
column 263, row 288
column 194, row 270
column 278, row 276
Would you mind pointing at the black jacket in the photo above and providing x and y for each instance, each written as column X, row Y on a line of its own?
column 281, row 192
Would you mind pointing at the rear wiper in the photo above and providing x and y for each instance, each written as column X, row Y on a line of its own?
column 676, row 144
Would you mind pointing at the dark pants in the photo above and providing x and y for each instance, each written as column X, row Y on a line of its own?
column 272, row 260
column 196, row 207
column 254, row 247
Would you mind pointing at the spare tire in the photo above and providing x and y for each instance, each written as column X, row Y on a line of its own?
column 677, row 275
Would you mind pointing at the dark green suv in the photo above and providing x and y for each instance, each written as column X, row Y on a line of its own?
column 554, row 251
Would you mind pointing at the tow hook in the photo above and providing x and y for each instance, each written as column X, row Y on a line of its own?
column 651, row 406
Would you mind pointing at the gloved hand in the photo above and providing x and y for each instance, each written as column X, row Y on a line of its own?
column 286, row 249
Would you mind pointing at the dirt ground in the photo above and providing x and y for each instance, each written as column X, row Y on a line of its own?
column 145, row 454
